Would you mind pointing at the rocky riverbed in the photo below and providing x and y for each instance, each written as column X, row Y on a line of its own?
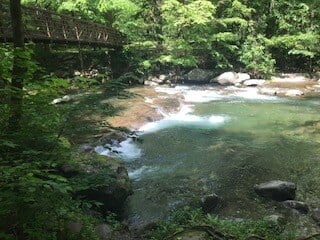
column 149, row 104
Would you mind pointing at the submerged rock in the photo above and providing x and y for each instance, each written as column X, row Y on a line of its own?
column 276, row 190
column 210, row 203
column 301, row 207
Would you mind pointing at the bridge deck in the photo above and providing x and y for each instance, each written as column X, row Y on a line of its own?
column 42, row 25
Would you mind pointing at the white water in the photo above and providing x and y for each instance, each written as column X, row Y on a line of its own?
column 200, row 95
column 128, row 150
column 183, row 117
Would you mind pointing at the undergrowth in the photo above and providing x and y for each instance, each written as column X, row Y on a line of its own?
column 36, row 200
column 187, row 219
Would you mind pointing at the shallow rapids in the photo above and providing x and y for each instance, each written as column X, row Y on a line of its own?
column 223, row 141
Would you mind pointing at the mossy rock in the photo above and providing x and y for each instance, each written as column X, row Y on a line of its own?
column 100, row 179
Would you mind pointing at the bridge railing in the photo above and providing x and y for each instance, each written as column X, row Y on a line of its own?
column 42, row 25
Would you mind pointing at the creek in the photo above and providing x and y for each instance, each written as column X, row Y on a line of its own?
column 224, row 141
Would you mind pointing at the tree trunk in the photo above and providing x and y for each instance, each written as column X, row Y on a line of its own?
column 19, row 67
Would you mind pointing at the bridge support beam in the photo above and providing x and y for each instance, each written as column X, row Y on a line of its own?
column 118, row 62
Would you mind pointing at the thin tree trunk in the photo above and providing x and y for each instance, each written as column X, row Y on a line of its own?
column 19, row 67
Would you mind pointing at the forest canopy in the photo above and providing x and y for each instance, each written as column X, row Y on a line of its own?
column 256, row 36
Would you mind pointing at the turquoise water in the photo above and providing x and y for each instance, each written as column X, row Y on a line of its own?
column 225, row 147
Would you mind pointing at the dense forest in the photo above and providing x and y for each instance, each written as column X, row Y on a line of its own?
column 37, row 139
column 258, row 36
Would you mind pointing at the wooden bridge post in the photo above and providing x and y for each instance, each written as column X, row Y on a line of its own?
column 118, row 61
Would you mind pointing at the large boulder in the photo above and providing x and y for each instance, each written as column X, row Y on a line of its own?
column 101, row 179
column 276, row 190
column 241, row 77
column 199, row 76
column 227, row 78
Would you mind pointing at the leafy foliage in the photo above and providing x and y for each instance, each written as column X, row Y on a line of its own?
column 187, row 219
column 36, row 199
column 209, row 33
column 256, row 57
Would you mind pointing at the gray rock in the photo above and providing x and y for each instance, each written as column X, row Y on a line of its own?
column 150, row 83
column 198, row 76
column 302, row 207
column 276, row 190
column 210, row 203
column 316, row 215
column 294, row 93
column 103, row 231
column 64, row 99
column 241, row 77
column 163, row 77
column 112, row 137
column 227, row 78
column 156, row 80
column 254, row 82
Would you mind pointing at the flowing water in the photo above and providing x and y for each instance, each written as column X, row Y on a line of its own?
column 224, row 141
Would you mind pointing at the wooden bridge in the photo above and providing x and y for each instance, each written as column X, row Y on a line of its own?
column 46, row 26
